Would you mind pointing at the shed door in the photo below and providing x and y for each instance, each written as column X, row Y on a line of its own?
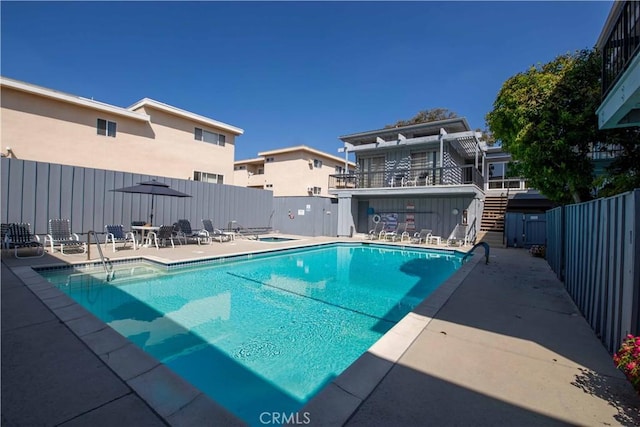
column 535, row 230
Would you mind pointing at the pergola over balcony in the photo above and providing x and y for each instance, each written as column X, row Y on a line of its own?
column 433, row 135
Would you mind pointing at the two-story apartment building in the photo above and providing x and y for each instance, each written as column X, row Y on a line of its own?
column 149, row 137
column 619, row 43
column 428, row 176
column 291, row 171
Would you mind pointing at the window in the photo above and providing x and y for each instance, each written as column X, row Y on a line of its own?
column 239, row 168
column 106, row 128
column 317, row 163
column 212, row 178
column 339, row 170
column 210, row 137
column 424, row 159
column 317, row 190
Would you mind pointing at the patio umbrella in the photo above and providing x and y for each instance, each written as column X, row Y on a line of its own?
column 154, row 188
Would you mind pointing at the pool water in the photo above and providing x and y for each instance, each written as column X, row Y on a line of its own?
column 265, row 333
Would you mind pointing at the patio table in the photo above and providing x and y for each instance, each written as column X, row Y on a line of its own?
column 144, row 232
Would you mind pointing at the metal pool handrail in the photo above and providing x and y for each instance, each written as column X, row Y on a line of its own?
column 110, row 272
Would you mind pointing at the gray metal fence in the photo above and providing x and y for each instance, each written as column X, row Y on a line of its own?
column 306, row 216
column 35, row 192
column 594, row 248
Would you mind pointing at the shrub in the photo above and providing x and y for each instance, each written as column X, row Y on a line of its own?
column 627, row 358
column 538, row 251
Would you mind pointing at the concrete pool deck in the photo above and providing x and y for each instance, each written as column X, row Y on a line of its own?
column 503, row 346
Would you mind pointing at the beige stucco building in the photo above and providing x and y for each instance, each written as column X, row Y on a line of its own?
column 149, row 137
column 292, row 171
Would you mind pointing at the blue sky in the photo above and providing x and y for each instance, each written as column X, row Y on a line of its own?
column 292, row 73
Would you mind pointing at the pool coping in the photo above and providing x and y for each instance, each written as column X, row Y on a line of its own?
column 341, row 398
column 180, row 403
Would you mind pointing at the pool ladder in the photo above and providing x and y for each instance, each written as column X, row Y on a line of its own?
column 486, row 251
column 108, row 268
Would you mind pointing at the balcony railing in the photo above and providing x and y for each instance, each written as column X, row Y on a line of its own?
column 457, row 175
column 505, row 183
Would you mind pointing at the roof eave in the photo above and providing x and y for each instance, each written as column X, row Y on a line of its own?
column 304, row 148
column 148, row 102
column 400, row 129
column 72, row 99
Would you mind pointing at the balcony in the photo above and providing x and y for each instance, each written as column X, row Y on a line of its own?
column 256, row 180
column 449, row 176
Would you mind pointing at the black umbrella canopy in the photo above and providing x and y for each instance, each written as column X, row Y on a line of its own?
column 154, row 188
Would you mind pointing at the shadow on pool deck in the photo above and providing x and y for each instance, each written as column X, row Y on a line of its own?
column 508, row 347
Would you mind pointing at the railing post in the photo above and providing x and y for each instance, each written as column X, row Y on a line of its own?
column 89, row 245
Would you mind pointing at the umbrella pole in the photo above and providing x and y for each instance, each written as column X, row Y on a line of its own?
column 152, row 197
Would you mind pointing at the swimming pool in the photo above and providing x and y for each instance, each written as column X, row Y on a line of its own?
column 263, row 332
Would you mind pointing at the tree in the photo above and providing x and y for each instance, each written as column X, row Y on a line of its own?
column 545, row 117
column 624, row 172
column 425, row 116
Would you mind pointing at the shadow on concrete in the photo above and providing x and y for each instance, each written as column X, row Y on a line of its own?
column 518, row 296
column 178, row 346
column 408, row 397
column 599, row 385
column 50, row 377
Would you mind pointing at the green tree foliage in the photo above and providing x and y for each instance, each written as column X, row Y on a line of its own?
column 425, row 116
column 624, row 172
column 545, row 117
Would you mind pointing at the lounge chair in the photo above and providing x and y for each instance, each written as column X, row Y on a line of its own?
column 396, row 234
column 20, row 236
column 209, row 233
column 458, row 236
column 422, row 236
column 160, row 237
column 60, row 235
column 185, row 231
column 374, row 233
column 116, row 233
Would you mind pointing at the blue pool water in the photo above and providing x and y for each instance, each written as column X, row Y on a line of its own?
column 267, row 332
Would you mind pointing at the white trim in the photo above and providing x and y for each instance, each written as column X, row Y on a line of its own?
column 257, row 160
column 148, row 102
column 414, row 141
column 307, row 149
column 72, row 99
column 406, row 129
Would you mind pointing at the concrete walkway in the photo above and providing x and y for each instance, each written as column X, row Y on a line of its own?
column 508, row 347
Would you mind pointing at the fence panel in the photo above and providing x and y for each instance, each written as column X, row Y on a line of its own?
column 594, row 248
column 554, row 241
column 36, row 192
column 306, row 216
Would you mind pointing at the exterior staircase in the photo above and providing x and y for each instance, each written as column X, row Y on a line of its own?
column 492, row 223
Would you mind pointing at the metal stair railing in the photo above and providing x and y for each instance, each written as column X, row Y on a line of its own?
column 108, row 267
column 471, row 235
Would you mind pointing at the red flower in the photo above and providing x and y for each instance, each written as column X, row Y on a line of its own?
column 627, row 358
